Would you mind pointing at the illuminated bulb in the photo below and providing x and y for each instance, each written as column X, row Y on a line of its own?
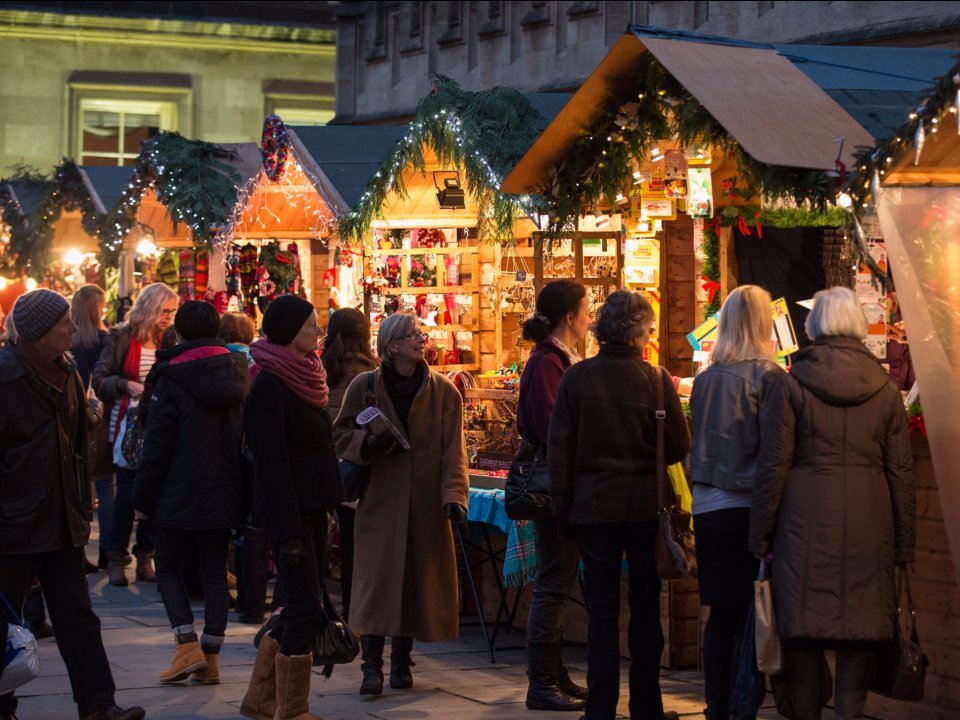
column 3, row 283
column 31, row 284
column 73, row 257
column 147, row 247
column 844, row 200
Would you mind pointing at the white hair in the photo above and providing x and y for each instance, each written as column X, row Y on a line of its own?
column 391, row 329
column 836, row 313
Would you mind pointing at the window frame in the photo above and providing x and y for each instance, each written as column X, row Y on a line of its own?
column 165, row 109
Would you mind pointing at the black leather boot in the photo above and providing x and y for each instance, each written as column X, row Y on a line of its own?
column 567, row 684
column 544, row 692
column 372, row 654
column 115, row 713
column 400, row 663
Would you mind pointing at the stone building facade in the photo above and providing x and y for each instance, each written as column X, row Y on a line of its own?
column 388, row 51
column 90, row 81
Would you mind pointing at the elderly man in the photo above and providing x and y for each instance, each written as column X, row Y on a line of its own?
column 45, row 496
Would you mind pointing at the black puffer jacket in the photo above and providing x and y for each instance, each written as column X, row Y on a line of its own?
column 189, row 475
column 834, row 495
column 45, row 502
column 296, row 471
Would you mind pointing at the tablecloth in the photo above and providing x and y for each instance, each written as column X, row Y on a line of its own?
column 520, row 559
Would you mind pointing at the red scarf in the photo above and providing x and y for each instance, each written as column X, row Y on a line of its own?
column 131, row 371
column 304, row 375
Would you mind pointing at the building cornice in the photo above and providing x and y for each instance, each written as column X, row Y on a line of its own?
column 155, row 32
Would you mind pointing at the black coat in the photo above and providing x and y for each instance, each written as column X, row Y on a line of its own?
column 45, row 502
column 602, row 447
column 189, row 474
column 295, row 462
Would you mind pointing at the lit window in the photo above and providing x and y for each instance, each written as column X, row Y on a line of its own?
column 303, row 116
column 111, row 131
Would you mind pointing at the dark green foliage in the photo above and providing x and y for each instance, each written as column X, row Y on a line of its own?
column 483, row 134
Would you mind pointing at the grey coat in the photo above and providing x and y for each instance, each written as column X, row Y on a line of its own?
column 834, row 495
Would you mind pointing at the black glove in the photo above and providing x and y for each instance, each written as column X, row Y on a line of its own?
column 455, row 513
column 377, row 445
column 290, row 554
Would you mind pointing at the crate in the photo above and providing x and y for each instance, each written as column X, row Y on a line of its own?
column 680, row 618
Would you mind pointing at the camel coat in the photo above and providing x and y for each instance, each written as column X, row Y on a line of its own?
column 405, row 566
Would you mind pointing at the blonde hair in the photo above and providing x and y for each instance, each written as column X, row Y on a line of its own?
column 836, row 313
column 144, row 317
column 86, row 311
column 391, row 329
column 745, row 328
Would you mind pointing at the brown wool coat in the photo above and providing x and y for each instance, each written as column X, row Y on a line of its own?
column 833, row 498
column 405, row 567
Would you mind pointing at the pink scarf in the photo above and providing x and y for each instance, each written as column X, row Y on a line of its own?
column 305, row 376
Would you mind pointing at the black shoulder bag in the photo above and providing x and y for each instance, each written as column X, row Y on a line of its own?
column 335, row 643
column 527, row 488
column 354, row 476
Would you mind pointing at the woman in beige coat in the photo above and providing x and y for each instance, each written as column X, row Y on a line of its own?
column 405, row 569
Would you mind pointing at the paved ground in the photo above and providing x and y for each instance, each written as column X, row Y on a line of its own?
column 451, row 679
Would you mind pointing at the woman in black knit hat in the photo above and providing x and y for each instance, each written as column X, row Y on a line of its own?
column 296, row 480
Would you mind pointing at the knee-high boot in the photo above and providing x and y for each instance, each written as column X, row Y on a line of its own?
column 543, row 692
column 371, row 647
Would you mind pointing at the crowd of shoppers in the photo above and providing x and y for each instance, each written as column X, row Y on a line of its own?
column 809, row 471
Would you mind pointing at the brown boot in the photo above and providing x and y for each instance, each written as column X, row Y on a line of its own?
column 211, row 675
column 187, row 659
column 145, row 571
column 260, row 702
column 293, row 687
column 115, row 573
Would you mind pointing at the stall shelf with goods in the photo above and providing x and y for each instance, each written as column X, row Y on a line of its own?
column 906, row 190
column 179, row 194
column 439, row 238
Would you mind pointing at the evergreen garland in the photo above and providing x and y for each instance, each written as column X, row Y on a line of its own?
column 786, row 217
column 710, row 268
column 21, row 225
column 600, row 164
column 483, row 134
column 191, row 179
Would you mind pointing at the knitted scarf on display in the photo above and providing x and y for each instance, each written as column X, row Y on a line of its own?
column 304, row 376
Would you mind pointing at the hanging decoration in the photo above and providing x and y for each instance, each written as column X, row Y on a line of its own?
column 190, row 178
column 710, row 267
column 274, row 147
column 602, row 161
column 483, row 133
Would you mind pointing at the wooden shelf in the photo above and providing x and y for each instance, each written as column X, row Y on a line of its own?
column 465, row 249
column 491, row 394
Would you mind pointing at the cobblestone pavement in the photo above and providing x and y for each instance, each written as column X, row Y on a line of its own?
column 452, row 679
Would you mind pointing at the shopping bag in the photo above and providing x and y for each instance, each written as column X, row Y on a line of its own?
column 749, row 684
column 21, row 655
column 769, row 649
column 681, row 488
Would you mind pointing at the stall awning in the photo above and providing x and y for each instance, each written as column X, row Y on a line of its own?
column 776, row 112
column 106, row 184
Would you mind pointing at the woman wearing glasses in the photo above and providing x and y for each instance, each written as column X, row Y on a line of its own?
column 128, row 355
column 405, row 574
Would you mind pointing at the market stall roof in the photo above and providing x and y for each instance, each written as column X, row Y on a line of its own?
column 28, row 194
column 778, row 102
column 106, row 184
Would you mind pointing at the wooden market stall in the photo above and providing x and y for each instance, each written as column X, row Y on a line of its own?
column 909, row 186
column 707, row 153
column 178, row 195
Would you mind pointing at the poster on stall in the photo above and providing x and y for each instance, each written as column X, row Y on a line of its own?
column 700, row 193
column 876, row 339
column 783, row 333
column 703, row 337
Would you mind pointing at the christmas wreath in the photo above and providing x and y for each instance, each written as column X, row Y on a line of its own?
column 274, row 147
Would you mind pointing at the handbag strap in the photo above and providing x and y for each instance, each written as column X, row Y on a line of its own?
column 661, row 417
column 17, row 620
column 903, row 579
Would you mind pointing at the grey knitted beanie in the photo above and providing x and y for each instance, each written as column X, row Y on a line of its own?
column 36, row 312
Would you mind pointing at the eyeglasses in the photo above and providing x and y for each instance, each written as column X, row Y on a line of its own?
column 168, row 313
column 416, row 334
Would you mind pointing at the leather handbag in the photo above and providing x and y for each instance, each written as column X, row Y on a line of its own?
column 99, row 448
column 675, row 554
column 902, row 664
column 355, row 476
column 527, row 488
column 335, row 643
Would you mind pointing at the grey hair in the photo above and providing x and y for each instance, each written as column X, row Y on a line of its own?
column 392, row 329
column 836, row 313
column 624, row 316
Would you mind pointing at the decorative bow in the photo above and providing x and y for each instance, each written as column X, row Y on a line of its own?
column 709, row 287
column 917, row 424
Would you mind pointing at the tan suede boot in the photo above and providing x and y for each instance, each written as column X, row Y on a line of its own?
column 211, row 675
column 260, row 701
column 293, row 688
column 115, row 574
column 145, row 572
column 187, row 659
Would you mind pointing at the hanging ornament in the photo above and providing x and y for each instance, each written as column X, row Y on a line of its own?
column 918, row 141
column 274, row 147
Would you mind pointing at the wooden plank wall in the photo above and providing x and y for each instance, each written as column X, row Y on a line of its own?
column 678, row 311
column 937, row 596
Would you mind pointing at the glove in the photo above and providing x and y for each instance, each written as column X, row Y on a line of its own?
column 290, row 555
column 377, row 445
column 455, row 513
column 564, row 528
